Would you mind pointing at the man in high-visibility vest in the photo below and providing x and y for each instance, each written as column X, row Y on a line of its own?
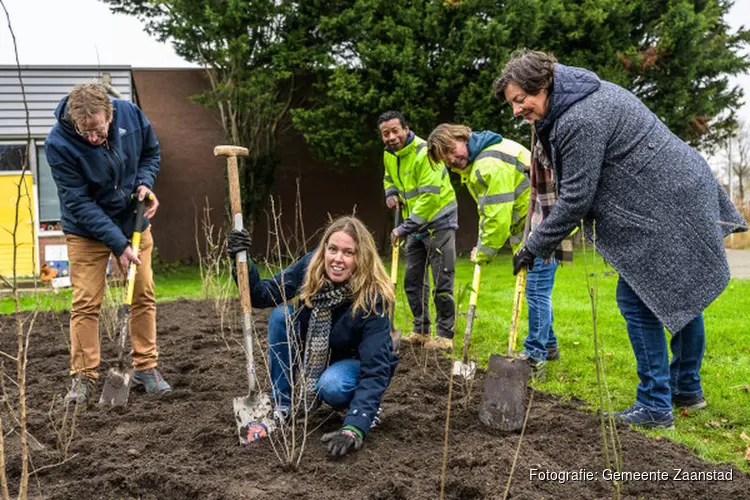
column 493, row 168
column 430, row 219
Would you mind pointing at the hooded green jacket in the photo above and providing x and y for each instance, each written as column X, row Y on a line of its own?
column 497, row 182
column 428, row 201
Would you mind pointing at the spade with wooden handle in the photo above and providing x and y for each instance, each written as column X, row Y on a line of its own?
column 504, row 400
column 252, row 412
column 395, row 333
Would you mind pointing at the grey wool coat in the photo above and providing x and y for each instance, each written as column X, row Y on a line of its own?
column 659, row 214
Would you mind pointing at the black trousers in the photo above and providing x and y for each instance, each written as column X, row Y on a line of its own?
column 437, row 249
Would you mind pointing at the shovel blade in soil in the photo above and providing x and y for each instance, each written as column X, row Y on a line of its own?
column 116, row 387
column 465, row 370
column 253, row 416
column 504, row 401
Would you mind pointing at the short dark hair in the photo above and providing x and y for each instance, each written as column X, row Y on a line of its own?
column 529, row 69
column 390, row 115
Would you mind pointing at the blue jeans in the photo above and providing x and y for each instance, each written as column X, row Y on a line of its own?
column 658, row 378
column 336, row 384
column 539, row 284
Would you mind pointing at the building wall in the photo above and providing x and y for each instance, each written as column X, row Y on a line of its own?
column 43, row 87
column 326, row 191
column 22, row 224
column 190, row 176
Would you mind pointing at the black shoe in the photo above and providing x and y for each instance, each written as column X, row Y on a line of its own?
column 553, row 353
column 694, row 402
column 648, row 419
column 537, row 369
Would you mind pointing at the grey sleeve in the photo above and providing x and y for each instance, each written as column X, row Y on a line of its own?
column 581, row 145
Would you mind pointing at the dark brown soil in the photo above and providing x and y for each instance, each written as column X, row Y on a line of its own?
column 184, row 446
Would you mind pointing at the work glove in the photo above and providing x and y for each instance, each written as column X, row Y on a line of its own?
column 341, row 441
column 237, row 241
column 523, row 258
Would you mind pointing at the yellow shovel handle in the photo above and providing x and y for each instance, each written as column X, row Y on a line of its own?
column 135, row 245
column 475, row 285
column 517, row 304
column 394, row 265
column 395, row 250
column 472, row 311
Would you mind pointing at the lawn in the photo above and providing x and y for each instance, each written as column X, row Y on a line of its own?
column 714, row 433
column 183, row 282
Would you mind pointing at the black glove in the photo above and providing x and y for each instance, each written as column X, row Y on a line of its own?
column 237, row 241
column 523, row 258
column 341, row 441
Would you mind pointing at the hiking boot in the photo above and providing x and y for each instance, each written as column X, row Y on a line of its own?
column 553, row 353
column 439, row 344
column 694, row 402
column 648, row 419
column 282, row 415
column 377, row 419
column 152, row 381
column 80, row 390
column 537, row 369
column 415, row 338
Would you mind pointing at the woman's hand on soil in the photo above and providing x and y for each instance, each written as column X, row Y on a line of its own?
column 341, row 441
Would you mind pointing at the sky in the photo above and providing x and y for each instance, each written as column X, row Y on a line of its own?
column 85, row 32
column 71, row 32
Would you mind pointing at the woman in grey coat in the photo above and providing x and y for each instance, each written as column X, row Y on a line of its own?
column 660, row 218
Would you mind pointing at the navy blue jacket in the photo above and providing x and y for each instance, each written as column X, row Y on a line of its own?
column 366, row 337
column 95, row 183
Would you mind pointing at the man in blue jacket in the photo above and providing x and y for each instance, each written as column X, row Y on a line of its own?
column 103, row 155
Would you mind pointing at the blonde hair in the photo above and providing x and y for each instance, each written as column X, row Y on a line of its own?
column 369, row 282
column 88, row 99
column 440, row 142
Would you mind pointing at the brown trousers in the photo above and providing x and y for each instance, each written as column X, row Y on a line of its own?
column 88, row 267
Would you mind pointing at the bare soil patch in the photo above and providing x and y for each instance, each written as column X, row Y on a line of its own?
column 184, row 446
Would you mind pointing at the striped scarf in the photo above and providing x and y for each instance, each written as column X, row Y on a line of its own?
column 318, row 332
column 544, row 193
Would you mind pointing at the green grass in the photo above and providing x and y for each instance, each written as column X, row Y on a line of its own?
column 714, row 433
column 182, row 282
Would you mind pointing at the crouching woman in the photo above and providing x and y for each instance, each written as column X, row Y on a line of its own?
column 341, row 325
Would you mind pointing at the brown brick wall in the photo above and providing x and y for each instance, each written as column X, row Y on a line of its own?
column 189, row 173
column 325, row 190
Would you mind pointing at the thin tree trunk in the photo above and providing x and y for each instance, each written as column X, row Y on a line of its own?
column 3, row 477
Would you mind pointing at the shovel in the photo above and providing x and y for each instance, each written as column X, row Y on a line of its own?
column 504, row 401
column 117, row 385
column 395, row 334
column 252, row 412
column 466, row 368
